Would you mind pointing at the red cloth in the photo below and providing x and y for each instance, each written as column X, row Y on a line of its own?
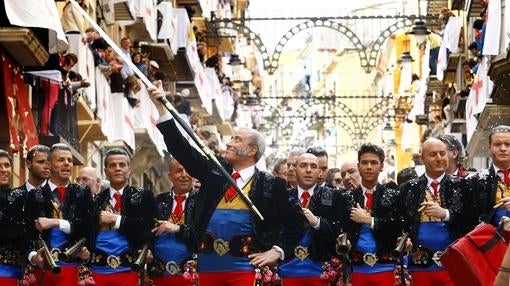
column 171, row 280
column 61, row 192
column 226, row 278
column 386, row 278
column 118, row 198
column 179, row 208
column 427, row 278
column 305, row 197
column 435, row 186
column 51, row 90
column 129, row 278
column 300, row 281
column 231, row 191
column 370, row 200
column 67, row 277
column 6, row 281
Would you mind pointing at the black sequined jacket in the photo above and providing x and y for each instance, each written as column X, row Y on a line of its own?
column 284, row 221
column 13, row 227
column 138, row 210
column 386, row 214
column 165, row 204
column 76, row 208
column 455, row 194
column 333, row 207
column 485, row 185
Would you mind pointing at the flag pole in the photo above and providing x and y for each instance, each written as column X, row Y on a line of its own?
column 209, row 154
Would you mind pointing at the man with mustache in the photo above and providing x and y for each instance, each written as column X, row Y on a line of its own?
column 236, row 245
column 60, row 213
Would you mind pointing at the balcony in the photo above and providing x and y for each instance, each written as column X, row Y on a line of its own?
column 180, row 69
column 499, row 72
column 23, row 46
column 473, row 8
column 491, row 116
column 89, row 128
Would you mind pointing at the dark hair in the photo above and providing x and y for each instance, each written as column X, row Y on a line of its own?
column 478, row 24
column 5, row 154
column 36, row 148
column 69, row 57
column 405, row 175
column 57, row 147
column 371, row 148
column 498, row 129
column 473, row 45
column 114, row 151
column 329, row 176
column 317, row 151
column 452, row 143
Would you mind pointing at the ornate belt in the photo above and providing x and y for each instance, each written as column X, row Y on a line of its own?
column 158, row 266
column 113, row 261
column 359, row 258
column 238, row 246
column 424, row 257
column 10, row 257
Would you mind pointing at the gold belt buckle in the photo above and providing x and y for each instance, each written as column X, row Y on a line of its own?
column 113, row 261
column 436, row 258
column 54, row 254
column 301, row 252
column 172, row 267
column 370, row 259
column 221, row 247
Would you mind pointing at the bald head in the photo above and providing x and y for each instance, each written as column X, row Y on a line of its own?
column 434, row 157
column 351, row 178
column 307, row 170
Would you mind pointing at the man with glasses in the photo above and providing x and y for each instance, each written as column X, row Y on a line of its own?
column 334, row 179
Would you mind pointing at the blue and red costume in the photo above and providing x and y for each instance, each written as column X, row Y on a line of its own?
column 372, row 244
column 224, row 230
column 430, row 235
column 73, row 204
column 115, row 249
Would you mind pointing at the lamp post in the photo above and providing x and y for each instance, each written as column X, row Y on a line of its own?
column 420, row 32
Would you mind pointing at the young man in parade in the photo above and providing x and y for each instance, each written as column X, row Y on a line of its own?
column 437, row 209
column 492, row 186
column 59, row 213
column 123, row 218
column 236, row 245
column 13, row 240
column 327, row 212
column 378, row 222
column 175, row 244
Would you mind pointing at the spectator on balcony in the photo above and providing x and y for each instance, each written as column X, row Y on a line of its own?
column 182, row 103
column 136, row 58
column 473, row 49
column 72, row 21
column 479, row 27
column 93, row 39
column 125, row 47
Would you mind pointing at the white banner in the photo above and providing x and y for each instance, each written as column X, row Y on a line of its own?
column 492, row 29
column 38, row 14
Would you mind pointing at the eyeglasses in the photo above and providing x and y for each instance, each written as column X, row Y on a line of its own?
column 337, row 180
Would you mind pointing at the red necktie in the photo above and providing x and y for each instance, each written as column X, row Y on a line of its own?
column 179, row 208
column 61, row 191
column 231, row 191
column 118, row 197
column 506, row 176
column 370, row 199
column 434, row 185
column 305, row 196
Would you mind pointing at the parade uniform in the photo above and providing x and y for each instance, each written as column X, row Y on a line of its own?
column 305, row 265
column 115, row 246
column 490, row 188
column 431, row 236
column 72, row 205
column 172, row 255
column 232, row 231
column 13, row 241
column 372, row 245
